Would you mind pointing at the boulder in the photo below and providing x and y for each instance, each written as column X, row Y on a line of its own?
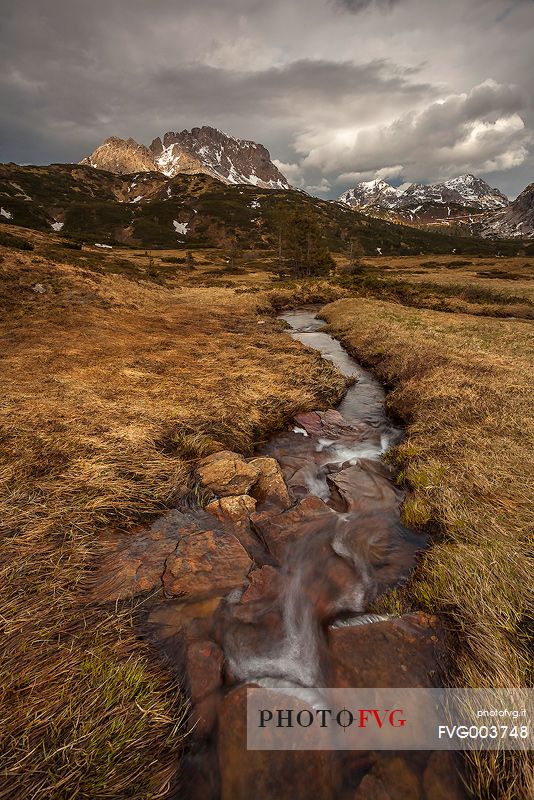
column 264, row 583
column 403, row 651
column 366, row 487
column 328, row 423
column 308, row 517
column 133, row 563
column 205, row 563
column 236, row 508
column 267, row 774
column 270, row 489
column 234, row 513
column 203, row 664
column 226, row 473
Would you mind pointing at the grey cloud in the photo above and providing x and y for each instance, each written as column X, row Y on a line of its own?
column 355, row 6
column 299, row 77
column 478, row 131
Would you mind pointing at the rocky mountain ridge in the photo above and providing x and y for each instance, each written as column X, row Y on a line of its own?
column 515, row 221
column 427, row 202
column 204, row 150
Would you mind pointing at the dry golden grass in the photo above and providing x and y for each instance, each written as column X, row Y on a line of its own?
column 463, row 384
column 109, row 388
column 504, row 274
column 441, row 288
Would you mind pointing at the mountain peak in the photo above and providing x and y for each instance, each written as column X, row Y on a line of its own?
column 201, row 150
column 428, row 202
column 376, row 193
column 122, row 156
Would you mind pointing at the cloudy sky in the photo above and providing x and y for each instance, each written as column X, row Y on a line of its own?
column 338, row 90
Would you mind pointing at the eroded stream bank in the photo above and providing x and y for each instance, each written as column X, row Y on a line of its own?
column 270, row 584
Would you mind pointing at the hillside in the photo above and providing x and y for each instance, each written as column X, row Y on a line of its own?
column 148, row 209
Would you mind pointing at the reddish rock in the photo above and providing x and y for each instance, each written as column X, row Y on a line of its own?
column 308, row 517
column 234, row 513
column 227, row 473
column 264, row 583
column 441, row 780
column 204, row 563
column 265, row 774
column 403, row 651
column 235, row 509
column 310, row 421
column 326, row 423
column 133, row 563
column 203, row 663
column 189, row 620
column 391, row 778
column 270, row 489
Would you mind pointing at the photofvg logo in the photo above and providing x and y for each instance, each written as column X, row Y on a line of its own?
column 389, row 719
column 325, row 717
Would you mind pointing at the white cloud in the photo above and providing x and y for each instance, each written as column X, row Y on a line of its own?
column 475, row 131
column 322, row 188
column 292, row 172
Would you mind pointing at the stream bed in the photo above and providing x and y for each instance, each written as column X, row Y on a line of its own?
column 272, row 583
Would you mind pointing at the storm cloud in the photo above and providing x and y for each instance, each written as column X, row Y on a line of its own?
column 338, row 90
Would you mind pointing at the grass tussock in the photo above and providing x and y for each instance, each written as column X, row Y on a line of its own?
column 469, row 296
column 463, row 385
column 292, row 294
column 109, row 389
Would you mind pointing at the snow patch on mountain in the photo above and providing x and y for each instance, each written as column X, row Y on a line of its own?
column 180, row 227
column 435, row 200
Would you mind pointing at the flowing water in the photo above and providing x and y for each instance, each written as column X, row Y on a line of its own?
column 343, row 549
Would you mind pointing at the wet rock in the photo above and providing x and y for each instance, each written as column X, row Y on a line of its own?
column 190, row 619
column 234, row 513
column 308, row 517
column 134, row 563
column 441, row 780
column 328, row 423
column 204, row 563
column 269, row 775
column 366, row 487
column 403, row 651
column 204, row 663
column 227, row 473
column 309, row 421
column 390, row 779
column 264, row 583
column 270, row 488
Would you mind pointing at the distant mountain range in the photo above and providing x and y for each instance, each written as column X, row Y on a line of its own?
column 136, row 183
column 203, row 150
column 466, row 202
column 516, row 220
column 427, row 201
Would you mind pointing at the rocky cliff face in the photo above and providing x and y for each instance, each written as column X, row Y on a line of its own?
column 514, row 221
column 202, row 150
column 122, row 156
